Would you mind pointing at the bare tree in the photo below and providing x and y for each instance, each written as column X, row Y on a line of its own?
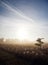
column 40, row 42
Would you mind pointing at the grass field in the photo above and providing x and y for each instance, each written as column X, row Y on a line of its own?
column 22, row 55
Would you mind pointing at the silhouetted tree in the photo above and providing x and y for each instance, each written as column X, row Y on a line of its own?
column 40, row 42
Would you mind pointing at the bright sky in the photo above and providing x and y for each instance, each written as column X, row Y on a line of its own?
column 24, row 19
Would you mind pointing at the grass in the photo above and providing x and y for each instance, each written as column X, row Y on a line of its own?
column 14, row 55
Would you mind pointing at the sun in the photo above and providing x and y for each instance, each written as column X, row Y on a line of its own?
column 22, row 33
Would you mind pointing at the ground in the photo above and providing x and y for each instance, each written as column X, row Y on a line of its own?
column 22, row 55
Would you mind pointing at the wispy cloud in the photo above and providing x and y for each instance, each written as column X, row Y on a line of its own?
column 17, row 12
column 9, row 25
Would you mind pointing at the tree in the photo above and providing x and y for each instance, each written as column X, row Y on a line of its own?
column 40, row 42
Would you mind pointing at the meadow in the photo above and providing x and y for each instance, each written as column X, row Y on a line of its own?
column 14, row 54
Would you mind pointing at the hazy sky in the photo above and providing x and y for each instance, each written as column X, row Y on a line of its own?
column 20, row 15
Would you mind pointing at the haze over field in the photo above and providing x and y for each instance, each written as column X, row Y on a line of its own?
column 23, row 32
column 24, row 19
